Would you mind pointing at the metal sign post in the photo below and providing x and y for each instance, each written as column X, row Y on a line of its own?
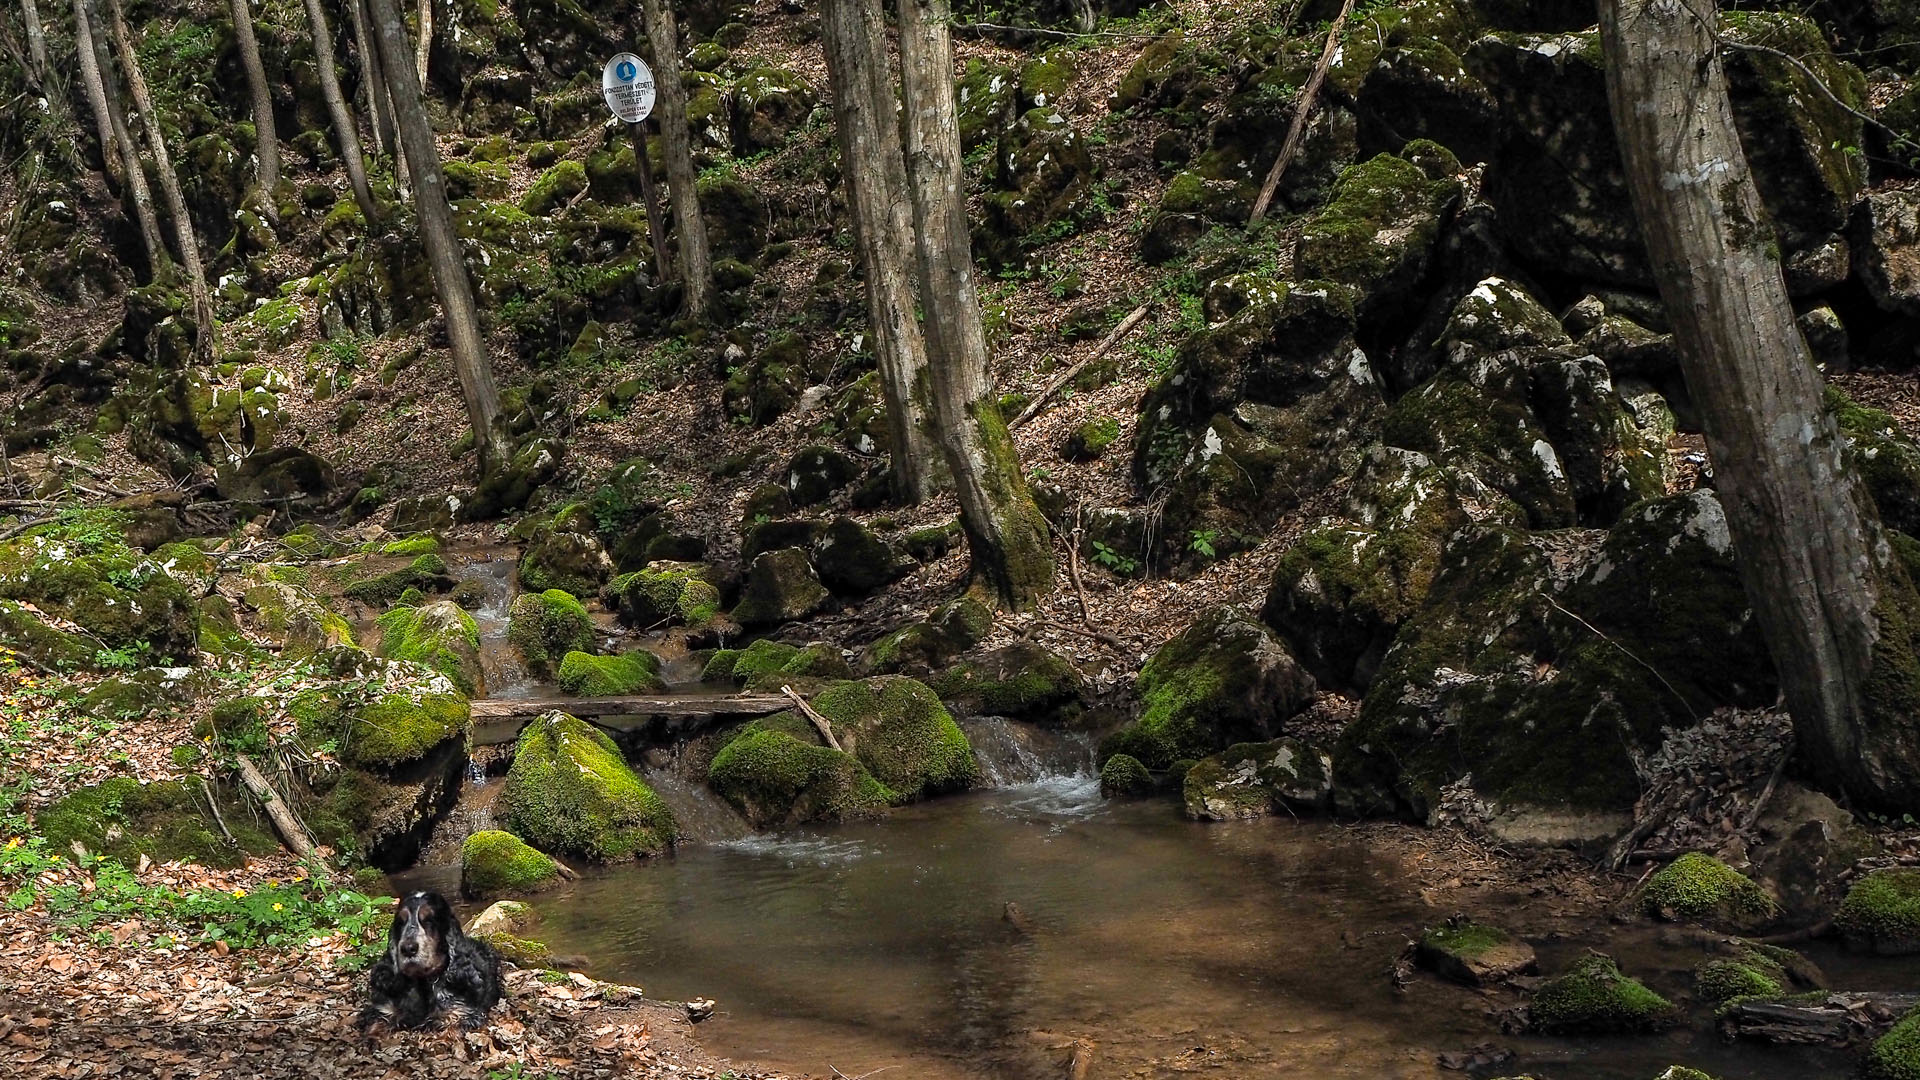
column 627, row 85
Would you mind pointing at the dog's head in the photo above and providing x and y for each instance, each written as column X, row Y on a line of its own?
column 418, row 939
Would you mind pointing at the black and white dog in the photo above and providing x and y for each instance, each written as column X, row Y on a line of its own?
column 432, row 970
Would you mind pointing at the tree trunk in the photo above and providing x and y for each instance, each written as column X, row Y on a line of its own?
column 36, row 40
column 1837, row 617
column 650, row 194
column 184, row 237
column 372, row 81
column 450, row 283
column 423, row 49
column 874, row 171
column 696, row 259
column 344, row 128
column 95, row 87
column 266, row 143
column 159, row 264
column 1006, row 533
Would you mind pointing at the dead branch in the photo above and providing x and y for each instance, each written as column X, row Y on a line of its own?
column 1760, row 804
column 1838, row 1018
column 806, row 710
column 1133, row 319
column 1080, row 590
column 1297, row 130
column 1655, row 672
column 290, row 831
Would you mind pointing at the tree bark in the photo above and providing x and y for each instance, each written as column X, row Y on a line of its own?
column 450, row 282
column 423, row 48
column 344, row 128
column 650, row 194
column 183, row 233
column 875, row 175
column 696, row 259
column 372, row 80
column 159, row 263
column 266, row 142
column 36, row 40
column 95, row 87
column 1006, row 534
column 1837, row 614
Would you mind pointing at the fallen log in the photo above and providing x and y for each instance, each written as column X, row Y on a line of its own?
column 290, row 831
column 1835, row 1018
column 1133, row 319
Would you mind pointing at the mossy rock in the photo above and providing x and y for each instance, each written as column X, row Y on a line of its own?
column 124, row 819
column 1473, row 953
column 816, row 472
column 292, row 616
column 1223, row 680
column 767, row 665
column 46, row 647
column 923, row 647
column 93, row 579
column 1124, row 776
column 1089, row 440
column 899, row 730
column 1595, row 998
column 1881, row 913
column 775, row 772
column 781, row 587
column 570, row 791
column 546, row 626
column 586, row 675
column 400, row 728
column 1752, row 972
column 1884, row 458
column 428, row 573
column 1378, row 234
column 663, row 594
column 439, row 635
column 493, row 863
column 554, row 187
column 854, row 562
column 1697, row 887
column 1250, row 780
column 565, row 555
column 1023, row 681
column 1896, row 1055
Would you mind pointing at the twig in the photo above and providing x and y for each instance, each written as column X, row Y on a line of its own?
column 1040, row 400
column 1080, row 590
column 283, row 821
column 17, row 528
column 1297, row 130
column 1752, row 816
column 1768, row 50
column 1551, row 602
column 826, row 729
column 213, row 804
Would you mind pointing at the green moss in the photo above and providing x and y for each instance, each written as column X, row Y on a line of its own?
column 546, row 626
column 494, row 862
column 401, row 728
column 952, row 629
column 1752, row 974
column 423, row 544
column 1896, row 1055
column 428, row 573
column 1882, row 912
column 1124, row 775
column 554, row 187
column 586, row 675
column 1701, row 887
column 45, row 647
column 662, row 594
column 773, row 776
column 1593, row 997
column 901, row 733
column 440, row 636
column 125, row 819
column 569, row 790
column 719, row 666
column 80, row 568
column 519, row 951
column 1092, row 438
column 1196, row 690
column 1384, row 197
column 1022, row 680
column 1467, row 940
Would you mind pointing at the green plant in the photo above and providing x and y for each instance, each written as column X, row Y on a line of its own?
column 1202, row 542
column 124, row 658
column 1113, row 560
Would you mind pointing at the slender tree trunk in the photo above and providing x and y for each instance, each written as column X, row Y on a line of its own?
column 650, row 194
column 1006, row 533
column 159, row 264
column 423, row 50
column 372, row 80
column 696, row 259
column 36, row 40
column 344, row 128
column 266, row 142
column 450, row 283
column 1838, row 619
column 874, row 172
column 183, row 233
column 95, row 87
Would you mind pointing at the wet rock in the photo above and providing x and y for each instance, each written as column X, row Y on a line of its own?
column 565, row 554
column 1224, row 679
column 1700, row 888
column 1881, row 913
column 1595, row 998
column 853, row 562
column 438, row 635
column 493, row 862
column 781, row 587
column 504, row 917
column 768, row 665
column 922, row 647
column 776, row 771
column 1752, row 971
column 1251, row 780
column 1473, row 953
column 546, row 626
column 898, row 729
column 427, row 574
column 570, row 791
column 1023, row 681
column 1806, row 839
column 586, row 675
column 1123, row 776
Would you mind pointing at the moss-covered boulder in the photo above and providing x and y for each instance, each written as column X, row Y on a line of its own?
column 1881, row 913
column 427, row 573
column 1043, row 170
column 1697, row 887
column 546, row 626
column 815, row 472
column 854, row 562
column 1377, row 235
column 768, row 665
column 81, row 570
column 1595, row 998
column 769, row 104
column 1751, row 971
column 1123, row 775
column 493, row 862
column 986, row 96
column 781, row 587
column 1883, row 457
column 570, row 791
column 44, row 646
column 1223, row 680
column 899, row 730
column 554, row 188
column 1896, row 1055
column 920, row 648
column 124, row 819
column 664, row 594
column 586, row 675
column 1023, row 681
column 1250, row 780
column 290, row 615
column 438, row 635
column 1473, row 953
column 565, row 554
column 775, row 771
column 1089, row 440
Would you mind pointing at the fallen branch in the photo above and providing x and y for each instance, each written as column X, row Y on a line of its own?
column 16, row 529
column 826, row 729
column 1133, row 319
column 1839, row 1018
column 1297, row 131
column 1080, row 590
column 296, row 838
column 1760, row 804
column 1629, row 653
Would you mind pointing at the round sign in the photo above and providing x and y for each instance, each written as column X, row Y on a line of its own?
column 627, row 84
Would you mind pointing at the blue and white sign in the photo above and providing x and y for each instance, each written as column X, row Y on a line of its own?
column 627, row 84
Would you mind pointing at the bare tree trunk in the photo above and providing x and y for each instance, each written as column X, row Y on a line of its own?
column 1006, row 533
column 424, row 48
column 342, row 116
column 266, row 142
column 159, row 264
column 874, row 171
column 650, row 194
column 36, row 40
column 95, row 87
column 1838, row 620
column 450, row 283
column 183, row 233
column 696, row 259
column 372, row 80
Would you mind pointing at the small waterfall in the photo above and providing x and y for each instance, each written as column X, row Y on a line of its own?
column 702, row 816
column 500, row 663
column 1012, row 754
